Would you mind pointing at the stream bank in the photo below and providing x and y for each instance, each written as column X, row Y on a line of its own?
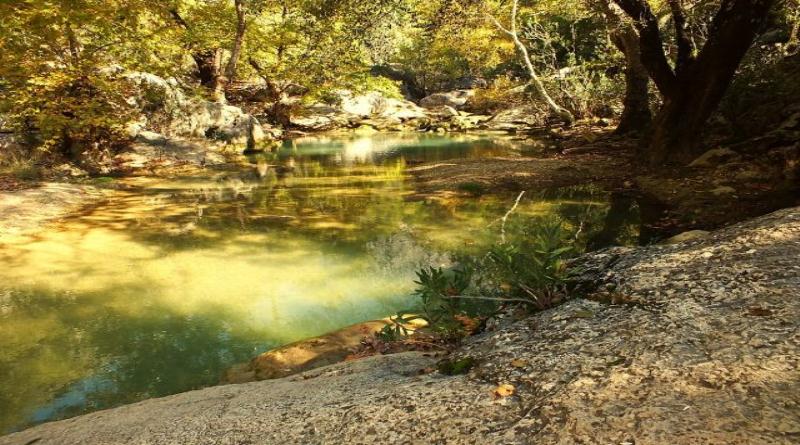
column 694, row 342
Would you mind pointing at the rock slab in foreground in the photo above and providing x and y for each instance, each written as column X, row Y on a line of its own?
column 690, row 343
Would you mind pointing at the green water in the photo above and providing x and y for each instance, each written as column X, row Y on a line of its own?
column 165, row 284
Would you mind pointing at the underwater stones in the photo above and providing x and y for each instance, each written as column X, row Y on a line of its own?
column 303, row 355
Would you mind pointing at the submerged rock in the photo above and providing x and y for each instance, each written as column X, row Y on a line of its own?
column 303, row 355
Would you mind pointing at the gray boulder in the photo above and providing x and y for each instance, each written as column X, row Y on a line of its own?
column 714, row 157
column 354, row 110
column 517, row 118
column 166, row 109
column 455, row 99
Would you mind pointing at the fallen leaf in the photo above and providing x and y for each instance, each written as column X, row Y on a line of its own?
column 519, row 363
column 470, row 324
column 504, row 390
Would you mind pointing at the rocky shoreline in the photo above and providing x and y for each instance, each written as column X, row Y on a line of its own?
column 694, row 342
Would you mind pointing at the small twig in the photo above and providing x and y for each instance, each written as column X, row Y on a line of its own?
column 418, row 342
column 580, row 229
column 505, row 217
column 506, row 300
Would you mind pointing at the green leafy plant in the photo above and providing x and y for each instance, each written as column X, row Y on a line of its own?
column 535, row 270
column 443, row 303
column 399, row 326
column 531, row 271
column 456, row 367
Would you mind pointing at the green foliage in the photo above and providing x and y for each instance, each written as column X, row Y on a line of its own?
column 19, row 167
column 56, row 60
column 456, row 367
column 443, row 297
column 531, row 271
column 502, row 93
column 389, row 88
column 400, row 326
column 535, row 269
column 442, row 41
column 72, row 111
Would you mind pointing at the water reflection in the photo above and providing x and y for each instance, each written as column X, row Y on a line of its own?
column 161, row 287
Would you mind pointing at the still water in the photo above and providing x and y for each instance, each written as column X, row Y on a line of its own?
column 166, row 283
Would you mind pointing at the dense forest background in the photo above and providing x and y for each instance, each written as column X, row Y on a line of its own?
column 668, row 70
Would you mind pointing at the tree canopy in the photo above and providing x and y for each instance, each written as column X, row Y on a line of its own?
column 62, row 60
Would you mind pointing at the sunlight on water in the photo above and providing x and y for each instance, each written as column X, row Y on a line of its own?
column 166, row 283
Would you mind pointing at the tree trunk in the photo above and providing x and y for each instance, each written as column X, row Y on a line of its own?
column 238, row 42
column 209, row 72
column 697, row 84
column 411, row 88
column 636, row 115
column 702, row 85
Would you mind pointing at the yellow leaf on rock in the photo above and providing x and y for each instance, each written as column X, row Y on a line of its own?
column 519, row 363
column 504, row 390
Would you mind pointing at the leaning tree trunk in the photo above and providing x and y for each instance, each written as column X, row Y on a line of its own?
column 535, row 81
column 412, row 89
column 238, row 42
column 636, row 115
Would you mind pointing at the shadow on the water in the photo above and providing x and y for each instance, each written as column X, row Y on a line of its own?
column 93, row 353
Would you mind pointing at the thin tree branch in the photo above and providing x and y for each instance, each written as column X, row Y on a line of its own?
column 652, row 46
column 682, row 37
column 535, row 81
column 506, row 300
column 508, row 213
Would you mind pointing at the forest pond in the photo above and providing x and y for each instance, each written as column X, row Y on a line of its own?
column 169, row 281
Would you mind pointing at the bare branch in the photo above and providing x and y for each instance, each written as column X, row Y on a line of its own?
column 499, row 25
column 535, row 81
